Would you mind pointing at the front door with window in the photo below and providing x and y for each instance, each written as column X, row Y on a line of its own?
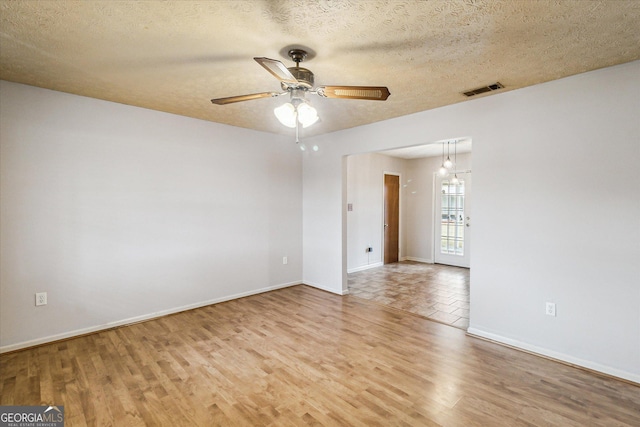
column 453, row 220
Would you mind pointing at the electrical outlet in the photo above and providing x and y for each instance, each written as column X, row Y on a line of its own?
column 550, row 309
column 41, row 298
column 284, row 260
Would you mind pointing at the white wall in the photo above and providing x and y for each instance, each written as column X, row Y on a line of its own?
column 121, row 213
column 556, row 212
column 419, row 209
column 365, row 192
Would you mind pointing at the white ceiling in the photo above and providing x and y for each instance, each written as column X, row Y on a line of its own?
column 174, row 56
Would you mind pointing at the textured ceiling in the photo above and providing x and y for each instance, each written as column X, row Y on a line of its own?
column 175, row 56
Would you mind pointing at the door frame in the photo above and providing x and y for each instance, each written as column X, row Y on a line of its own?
column 437, row 219
column 399, row 175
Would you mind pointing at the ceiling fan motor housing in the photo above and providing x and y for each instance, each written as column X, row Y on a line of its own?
column 303, row 76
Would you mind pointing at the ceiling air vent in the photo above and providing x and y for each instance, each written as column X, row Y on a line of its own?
column 484, row 89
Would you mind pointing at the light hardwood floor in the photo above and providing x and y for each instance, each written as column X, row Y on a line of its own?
column 435, row 291
column 301, row 356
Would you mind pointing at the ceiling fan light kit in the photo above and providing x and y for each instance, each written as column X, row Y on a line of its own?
column 297, row 82
column 307, row 115
column 286, row 114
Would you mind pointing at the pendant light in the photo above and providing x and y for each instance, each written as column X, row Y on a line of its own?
column 443, row 171
column 447, row 163
column 455, row 180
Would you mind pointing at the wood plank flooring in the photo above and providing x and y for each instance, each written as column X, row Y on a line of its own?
column 435, row 291
column 300, row 356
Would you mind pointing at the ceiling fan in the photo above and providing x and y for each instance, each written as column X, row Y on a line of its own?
column 298, row 81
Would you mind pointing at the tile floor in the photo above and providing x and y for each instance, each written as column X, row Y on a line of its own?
column 435, row 291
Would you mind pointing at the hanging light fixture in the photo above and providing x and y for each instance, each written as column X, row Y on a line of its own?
column 447, row 163
column 443, row 171
column 455, row 180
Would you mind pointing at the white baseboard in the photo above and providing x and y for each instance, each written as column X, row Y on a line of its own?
column 132, row 320
column 364, row 267
column 380, row 264
column 593, row 366
column 324, row 288
column 424, row 260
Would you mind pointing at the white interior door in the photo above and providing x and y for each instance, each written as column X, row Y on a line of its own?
column 453, row 220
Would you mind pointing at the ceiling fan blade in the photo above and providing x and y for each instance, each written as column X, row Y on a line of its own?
column 373, row 93
column 240, row 98
column 278, row 70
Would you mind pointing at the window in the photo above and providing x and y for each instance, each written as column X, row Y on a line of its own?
column 452, row 224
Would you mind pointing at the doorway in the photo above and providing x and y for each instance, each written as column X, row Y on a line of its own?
column 415, row 282
column 391, row 233
column 452, row 219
